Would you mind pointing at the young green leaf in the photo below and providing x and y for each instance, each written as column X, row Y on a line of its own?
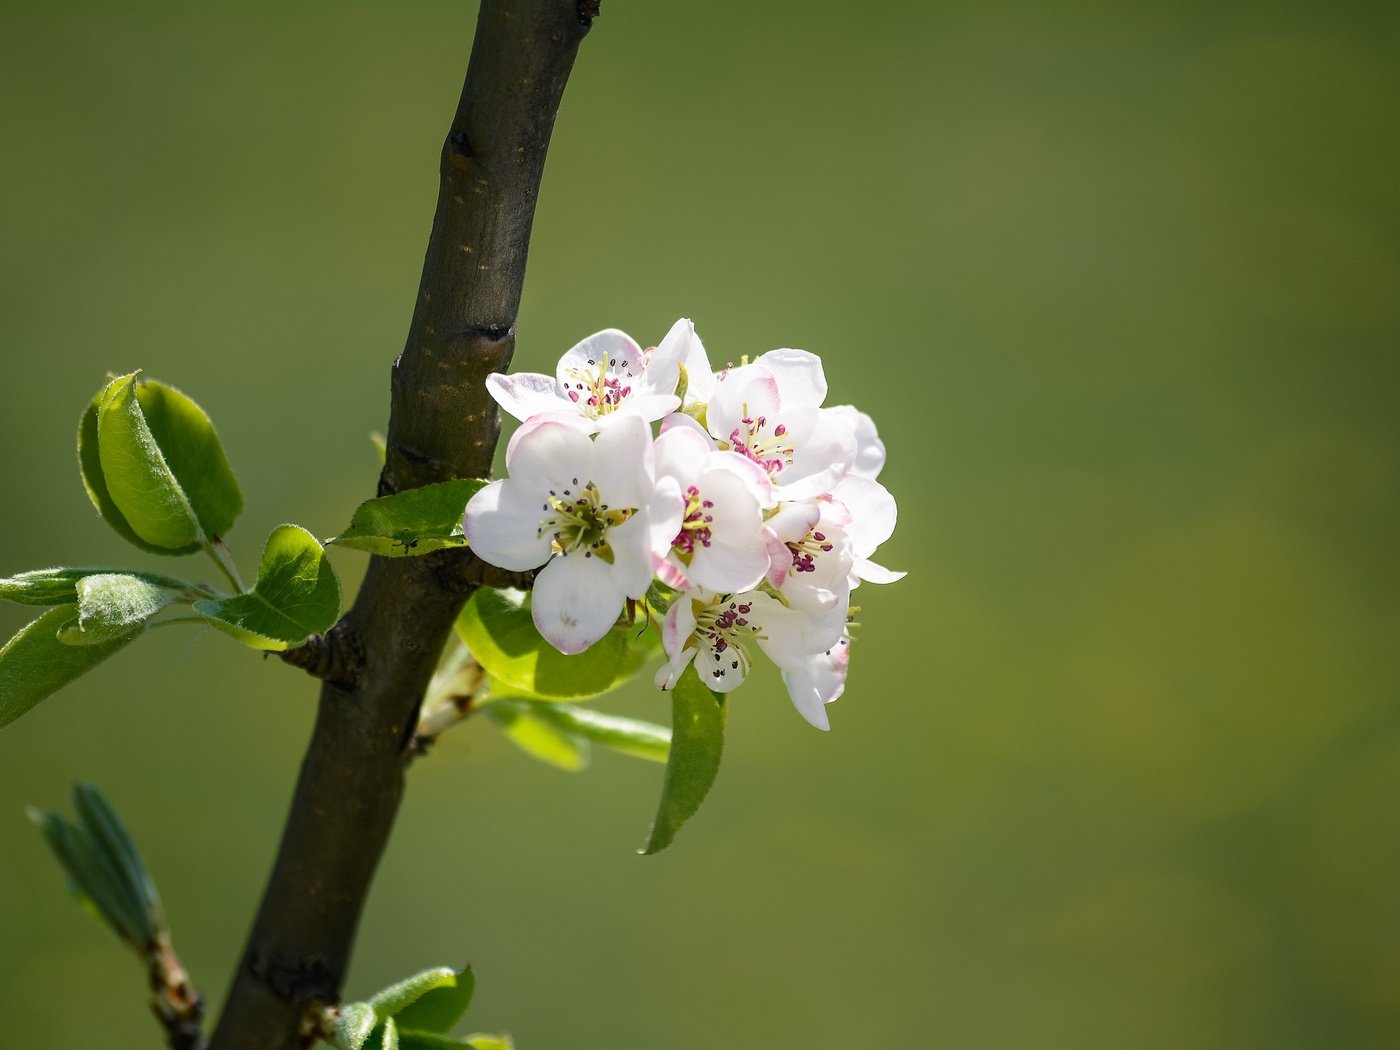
column 538, row 737
column 107, row 829
column 34, row 664
column 415, row 521
column 482, row 1041
column 414, row 1039
column 697, row 740
column 139, row 479
column 297, row 595
column 628, row 735
column 385, row 1037
column 439, row 1008
column 59, row 586
column 170, row 486
column 496, row 626
column 354, row 1025
column 112, row 605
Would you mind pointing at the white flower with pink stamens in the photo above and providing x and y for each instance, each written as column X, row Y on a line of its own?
column 579, row 507
column 713, row 535
column 604, row 378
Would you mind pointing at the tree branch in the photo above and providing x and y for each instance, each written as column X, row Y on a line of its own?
column 442, row 425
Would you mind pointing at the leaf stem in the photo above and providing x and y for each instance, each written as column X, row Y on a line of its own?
column 224, row 560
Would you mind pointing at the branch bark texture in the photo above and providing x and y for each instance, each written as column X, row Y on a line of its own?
column 442, row 425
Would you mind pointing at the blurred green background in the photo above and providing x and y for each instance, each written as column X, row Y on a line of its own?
column 1119, row 762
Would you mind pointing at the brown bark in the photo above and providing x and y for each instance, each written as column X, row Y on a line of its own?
column 442, row 425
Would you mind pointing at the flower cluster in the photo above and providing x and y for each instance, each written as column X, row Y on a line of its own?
column 756, row 503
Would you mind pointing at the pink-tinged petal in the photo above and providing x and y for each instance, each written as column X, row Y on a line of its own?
column 801, row 381
column 621, row 464
column 871, row 573
column 870, row 450
column 818, row 681
column 502, row 524
column 747, row 393
column 754, row 477
column 575, row 601
column 547, row 453
column 672, row 574
column 779, row 558
column 678, row 626
column 669, row 673
column 871, row 511
column 728, row 568
column 612, row 350
column 632, row 555
column 525, row 394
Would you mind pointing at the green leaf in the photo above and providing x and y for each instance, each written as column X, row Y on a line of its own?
column 297, row 595
column 59, row 586
column 139, row 479
column 496, row 626
column 415, row 1039
column 107, row 830
column 439, row 1008
column 34, row 664
column 90, row 874
column 385, row 1037
column 154, row 468
column 390, row 1001
column 112, row 605
column 482, row 1041
column 416, row 521
column 354, row 1025
column 191, row 447
column 538, row 737
column 697, row 740
column 628, row 735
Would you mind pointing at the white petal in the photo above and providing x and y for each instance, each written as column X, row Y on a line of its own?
column 818, row 681
column 684, row 421
column 870, row 450
column 871, row 573
column 721, row 669
column 754, row 477
column 824, row 449
column 664, row 515
column 622, row 464
column 734, row 508
column 646, row 407
column 502, row 524
column 871, row 510
column 663, row 367
column 746, row 393
column 547, row 453
column 682, row 452
column 678, row 626
column 525, row 394
column 726, row 567
column 632, row 555
column 794, row 520
column 575, row 602
column 614, row 351
column 801, row 381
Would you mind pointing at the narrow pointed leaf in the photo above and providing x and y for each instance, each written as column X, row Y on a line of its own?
column 107, row 830
column 482, row 1041
column 628, row 735
column 59, row 586
column 297, row 595
column 94, row 878
column 34, row 664
column 439, row 1008
column 139, row 479
column 385, row 1037
column 697, row 741
column 416, row 521
column 496, row 626
column 353, row 1026
column 113, row 605
column 538, row 737
column 417, row 1039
